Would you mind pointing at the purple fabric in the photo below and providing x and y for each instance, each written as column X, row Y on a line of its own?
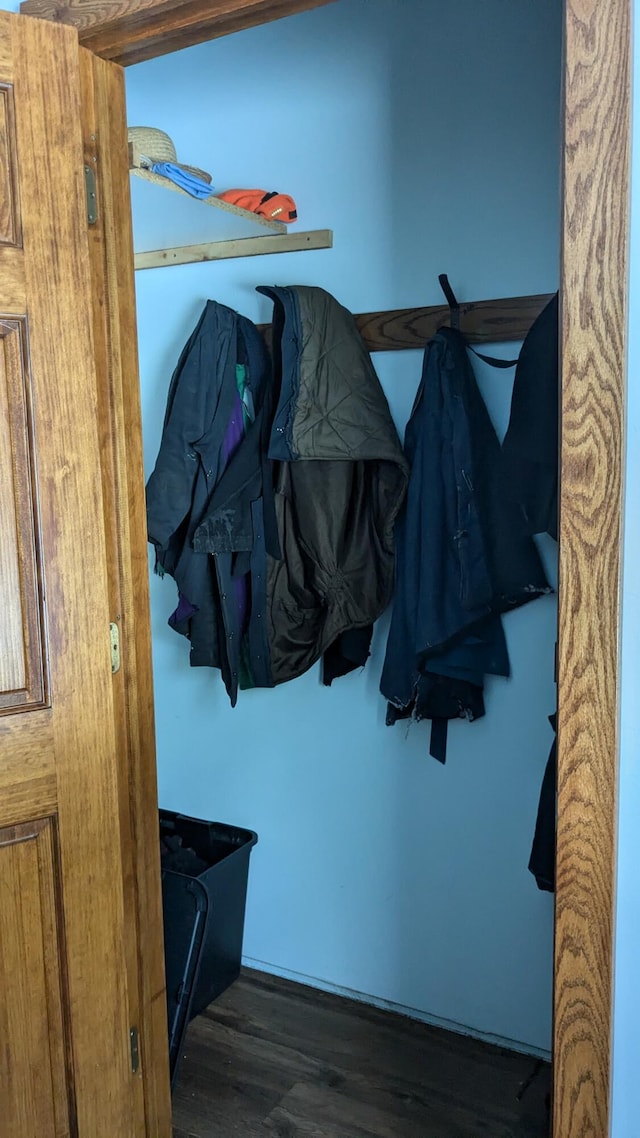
column 184, row 611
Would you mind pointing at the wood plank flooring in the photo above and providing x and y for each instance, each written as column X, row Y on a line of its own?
column 272, row 1059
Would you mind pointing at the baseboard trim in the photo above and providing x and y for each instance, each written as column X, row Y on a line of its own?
column 399, row 1009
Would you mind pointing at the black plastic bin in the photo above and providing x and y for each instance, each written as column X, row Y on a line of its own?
column 203, row 916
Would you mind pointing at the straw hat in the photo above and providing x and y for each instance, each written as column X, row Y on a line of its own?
column 151, row 145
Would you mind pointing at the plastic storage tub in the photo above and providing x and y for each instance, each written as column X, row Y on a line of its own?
column 203, row 915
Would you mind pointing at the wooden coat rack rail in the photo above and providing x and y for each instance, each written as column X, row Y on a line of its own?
column 482, row 321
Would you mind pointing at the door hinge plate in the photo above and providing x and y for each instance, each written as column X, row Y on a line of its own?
column 92, row 197
column 114, row 638
column 135, row 1050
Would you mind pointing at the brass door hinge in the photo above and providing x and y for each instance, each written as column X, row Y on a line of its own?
column 114, row 639
column 92, row 197
column 135, row 1050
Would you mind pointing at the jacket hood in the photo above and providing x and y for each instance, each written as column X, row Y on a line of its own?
column 331, row 405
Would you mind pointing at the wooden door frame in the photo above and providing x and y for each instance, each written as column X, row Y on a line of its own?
column 131, row 31
column 596, row 175
column 595, row 241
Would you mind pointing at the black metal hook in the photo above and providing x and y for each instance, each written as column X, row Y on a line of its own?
column 454, row 307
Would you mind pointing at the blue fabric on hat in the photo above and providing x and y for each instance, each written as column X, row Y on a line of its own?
column 194, row 186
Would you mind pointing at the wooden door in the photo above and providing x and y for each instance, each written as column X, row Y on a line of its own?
column 65, row 1060
column 106, row 152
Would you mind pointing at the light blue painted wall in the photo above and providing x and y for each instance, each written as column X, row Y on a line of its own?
column 626, row 1085
column 426, row 135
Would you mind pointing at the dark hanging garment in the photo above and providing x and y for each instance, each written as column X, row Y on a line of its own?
column 530, row 452
column 210, row 509
column 542, row 863
column 530, row 446
column 275, row 492
column 462, row 554
column 340, row 481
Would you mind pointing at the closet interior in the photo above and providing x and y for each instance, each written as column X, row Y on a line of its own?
column 415, row 138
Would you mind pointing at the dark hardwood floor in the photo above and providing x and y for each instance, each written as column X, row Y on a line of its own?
column 279, row 1060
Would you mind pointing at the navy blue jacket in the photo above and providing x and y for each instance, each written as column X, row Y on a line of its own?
column 198, row 503
column 462, row 554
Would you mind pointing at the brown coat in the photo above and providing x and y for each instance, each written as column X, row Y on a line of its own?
column 340, row 481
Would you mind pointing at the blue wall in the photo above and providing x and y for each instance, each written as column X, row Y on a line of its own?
column 427, row 136
column 626, row 1086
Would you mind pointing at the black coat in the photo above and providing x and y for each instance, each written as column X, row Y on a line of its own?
column 200, row 502
column 463, row 556
column 530, row 447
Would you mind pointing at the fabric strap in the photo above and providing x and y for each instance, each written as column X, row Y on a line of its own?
column 438, row 743
column 492, row 360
